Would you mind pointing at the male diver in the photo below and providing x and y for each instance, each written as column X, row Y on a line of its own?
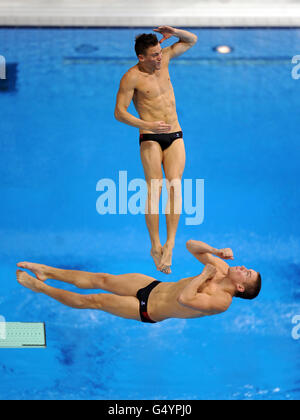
column 142, row 298
column 148, row 84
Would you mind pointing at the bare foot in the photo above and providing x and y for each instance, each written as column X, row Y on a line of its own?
column 27, row 281
column 166, row 260
column 156, row 255
column 38, row 269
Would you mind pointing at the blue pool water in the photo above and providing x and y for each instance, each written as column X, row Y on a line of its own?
column 58, row 138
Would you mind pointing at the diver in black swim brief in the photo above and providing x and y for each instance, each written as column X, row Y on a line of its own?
column 164, row 140
column 206, row 294
column 148, row 85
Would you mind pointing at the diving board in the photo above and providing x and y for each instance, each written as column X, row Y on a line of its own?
column 15, row 335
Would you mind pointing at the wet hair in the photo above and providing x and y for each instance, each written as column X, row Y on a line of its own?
column 251, row 290
column 143, row 42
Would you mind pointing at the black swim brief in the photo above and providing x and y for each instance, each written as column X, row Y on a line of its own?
column 165, row 139
column 143, row 296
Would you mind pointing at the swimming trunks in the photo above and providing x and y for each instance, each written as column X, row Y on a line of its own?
column 143, row 296
column 165, row 140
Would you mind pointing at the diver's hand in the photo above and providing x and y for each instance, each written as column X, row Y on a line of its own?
column 225, row 254
column 209, row 271
column 159, row 127
column 166, row 31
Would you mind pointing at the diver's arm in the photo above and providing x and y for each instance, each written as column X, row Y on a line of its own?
column 205, row 254
column 185, row 36
column 192, row 289
column 207, row 304
column 124, row 98
column 186, row 40
column 198, row 247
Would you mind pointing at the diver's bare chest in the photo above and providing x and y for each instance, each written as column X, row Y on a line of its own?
column 151, row 86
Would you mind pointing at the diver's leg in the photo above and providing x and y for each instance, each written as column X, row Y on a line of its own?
column 123, row 285
column 81, row 279
column 121, row 306
column 151, row 155
column 174, row 158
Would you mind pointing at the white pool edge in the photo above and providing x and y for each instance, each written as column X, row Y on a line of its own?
column 105, row 15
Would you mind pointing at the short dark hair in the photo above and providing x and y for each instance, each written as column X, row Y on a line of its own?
column 143, row 42
column 251, row 291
